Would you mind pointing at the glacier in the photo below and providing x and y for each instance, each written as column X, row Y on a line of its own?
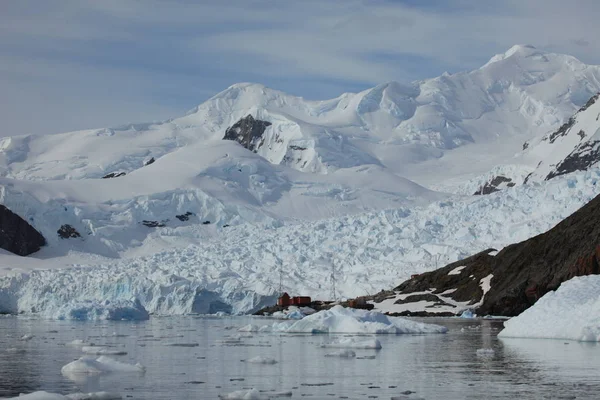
column 238, row 270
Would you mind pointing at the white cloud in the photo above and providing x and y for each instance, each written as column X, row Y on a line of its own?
column 113, row 61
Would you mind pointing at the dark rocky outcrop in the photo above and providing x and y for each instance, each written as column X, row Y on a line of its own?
column 522, row 272
column 494, row 185
column 184, row 217
column 67, row 232
column 154, row 224
column 248, row 132
column 582, row 158
column 150, row 161
column 16, row 235
column 113, row 175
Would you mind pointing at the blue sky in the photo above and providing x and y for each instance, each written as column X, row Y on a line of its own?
column 76, row 64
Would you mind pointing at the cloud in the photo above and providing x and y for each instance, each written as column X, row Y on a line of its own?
column 77, row 64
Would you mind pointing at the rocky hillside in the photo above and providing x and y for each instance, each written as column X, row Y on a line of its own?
column 510, row 281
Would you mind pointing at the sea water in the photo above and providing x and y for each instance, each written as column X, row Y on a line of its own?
column 205, row 357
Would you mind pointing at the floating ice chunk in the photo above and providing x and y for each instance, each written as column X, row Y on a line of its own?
column 349, row 320
column 572, row 312
column 15, row 350
column 182, row 344
column 467, row 314
column 342, row 353
column 121, row 310
column 251, row 394
column 485, row 353
column 95, row 396
column 352, row 343
column 261, row 360
column 41, row 395
column 102, row 351
column 101, row 365
column 26, row 338
column 79, row 343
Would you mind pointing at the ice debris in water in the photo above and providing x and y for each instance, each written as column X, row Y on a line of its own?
column 26, row 338
column 354, row 343
column 251, row 394
column 342, row 353
column 485, row 353
column 102, row 351
column 42, row 395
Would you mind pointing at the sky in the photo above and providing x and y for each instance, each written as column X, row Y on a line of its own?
column 67, row 65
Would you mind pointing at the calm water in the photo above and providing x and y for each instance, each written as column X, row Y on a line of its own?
column 433, row 366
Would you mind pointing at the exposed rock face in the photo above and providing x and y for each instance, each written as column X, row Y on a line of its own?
column 67, row 232
column 575, row 146
column 248, row 132
column 154, row 224
column 150, row 161
column 113, row 175
column 495, row 185
column 184, row 217
column 582, row 158
column 522, row 272
column 16, row 235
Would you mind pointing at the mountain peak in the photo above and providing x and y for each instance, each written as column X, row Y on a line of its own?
column 518, row 50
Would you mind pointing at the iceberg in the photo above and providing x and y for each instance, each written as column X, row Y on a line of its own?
column 572, row 312
column 349, row 320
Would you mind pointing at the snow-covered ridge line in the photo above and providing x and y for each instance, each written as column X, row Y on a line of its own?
column 238, row 270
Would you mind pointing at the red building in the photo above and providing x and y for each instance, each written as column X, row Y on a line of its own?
column 284, row 300
column 301, row 301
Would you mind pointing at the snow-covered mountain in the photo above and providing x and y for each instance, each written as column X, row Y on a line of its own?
column 211, row 204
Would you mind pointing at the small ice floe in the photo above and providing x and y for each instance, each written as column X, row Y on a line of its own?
column 26, row 338
column 15, row 350
column 342, row 354
column 261, row 360
column 468, row 314
column 182, row 344
column 485, row 353
column 79, row 343
column 95, row 396
column 102, row 351
column 352, row 343
column 41, row 395
column 251, row 394
column 100, row 365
